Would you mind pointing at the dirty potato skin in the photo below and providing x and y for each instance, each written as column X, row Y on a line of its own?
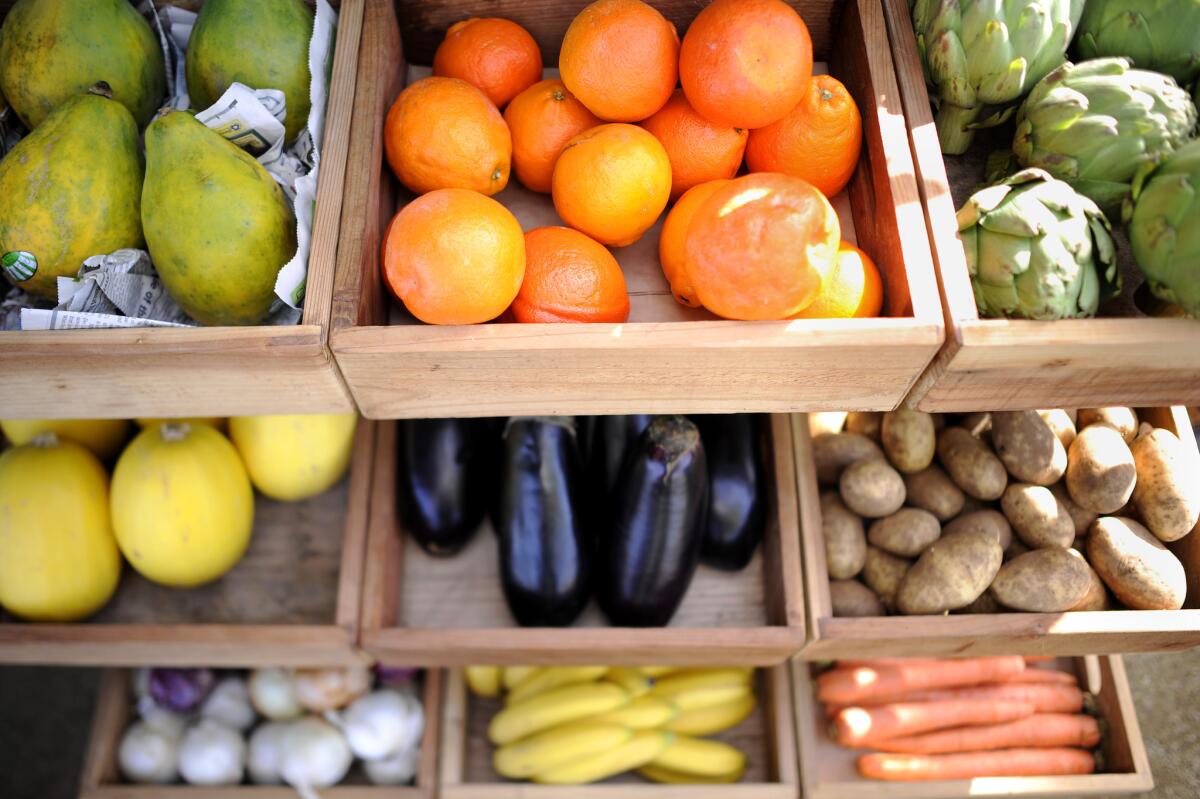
column 872, row 488
column 1037, row 517
column 971, row 464
column 865, row 423
column 1028, row 446
column 1061, row 423
column 833, row 452
column 1100, row 470
column 1051, row 580
column 951, row 574
column 985, row 604
column 1123, row 420
column 1167, row 492
column 1082, row 517
column 883, row 573
column 909, row 439
column 850, row 598
column 992, row 522
column 1096, row 597
column 905, row 533
column 932, row 489
column 1136, row 567
column 845, row 541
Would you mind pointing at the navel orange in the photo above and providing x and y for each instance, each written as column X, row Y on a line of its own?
column 853, row 289
column 672, row 240
column 496, row 56
column 699, row 150
column 569, row 278
column 543, row 118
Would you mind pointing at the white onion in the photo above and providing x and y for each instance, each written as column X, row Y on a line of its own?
column 273, row 694
column 329, row 689
column 212, row 754
column 148, row 754
column 159, row 718
column 398, row 768
column 314, row 754
column 381, row 723
column 266, row 750
column 229, row 704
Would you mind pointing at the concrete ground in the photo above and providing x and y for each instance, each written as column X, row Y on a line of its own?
column 45, row 714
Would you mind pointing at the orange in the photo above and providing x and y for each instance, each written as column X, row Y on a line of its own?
column 746, row 63
column 454, row 257
column 760, row 246
column 496, row 56
column 612, row 182
column 819, row 140
column 621, row 59
column 543, row 118
column 673, row 238
column 699, row 150
column 443, row 133
column 569, row 278
column 853, row 289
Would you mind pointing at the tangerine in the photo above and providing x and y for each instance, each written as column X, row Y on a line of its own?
column 854, row 289
column 672, row 252
column 496, row 56
column 699, row 150
column 569, row 278
column 543, row 118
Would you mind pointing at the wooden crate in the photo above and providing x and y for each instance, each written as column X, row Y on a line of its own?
column 1111, row 631
column 827, row 771
column 1021, row 364
column 101, row 778
column 766, row 738
column 206, row 371
column 427, row 611
column 293, row 599
column 666, row 358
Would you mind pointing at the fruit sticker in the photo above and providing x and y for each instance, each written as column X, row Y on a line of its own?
column 19, row 265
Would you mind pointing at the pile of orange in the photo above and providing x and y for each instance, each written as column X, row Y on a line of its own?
column 639, row 119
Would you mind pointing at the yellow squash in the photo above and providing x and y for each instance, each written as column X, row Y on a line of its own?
column 103, row 437
column 182, row 505
column 294, row 457
column 58, row 559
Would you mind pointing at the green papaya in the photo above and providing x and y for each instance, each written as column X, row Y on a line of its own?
column 218, row 226
column 260, row 43
column 70, row 190
column 51, row 50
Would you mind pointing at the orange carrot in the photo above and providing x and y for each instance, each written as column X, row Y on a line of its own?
column 1045, row 697
column 1044, row 675
column 1039, row 730
column 863, row 726
column 855, row 685
column 968, row 765
column 1038, row 658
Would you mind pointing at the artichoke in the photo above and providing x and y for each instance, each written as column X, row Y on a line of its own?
column 1037, row 249
column 980, row 53
column 1094, row 124
column 1162, row 35
column 1164, row 227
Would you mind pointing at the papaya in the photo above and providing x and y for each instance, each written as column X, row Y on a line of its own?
column 68, row 191
column 52, row 50
column 182, row 505
column 104, row 437
column 294, row 457
column 218, row 226
column 260, row 43
column 58, row 558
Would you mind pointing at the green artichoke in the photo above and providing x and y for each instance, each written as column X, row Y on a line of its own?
column 980, row 53
column 1037, row 249
column 1094, row 124
column 1162, row 35
column 1164, row 227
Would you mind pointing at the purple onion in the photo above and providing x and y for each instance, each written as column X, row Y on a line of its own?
column 181, row 690
column 395, row 675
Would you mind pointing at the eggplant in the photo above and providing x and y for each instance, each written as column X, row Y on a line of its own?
column 612, row 437
column 735, row 448
column 540, row 515
column 650, row 552
column 446, row 469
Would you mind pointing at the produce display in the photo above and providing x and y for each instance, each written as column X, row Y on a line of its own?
column 306, row 727
column 579, row 725
column 639, row 118
column 623, row 508
column 179, row 506
column 929, row 720
column 1038, row 511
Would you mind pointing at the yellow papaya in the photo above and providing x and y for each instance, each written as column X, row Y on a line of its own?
column 104, row 437
column 294, row 457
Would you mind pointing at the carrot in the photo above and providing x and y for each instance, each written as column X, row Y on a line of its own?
column 1038, row 730
column 1045, row 697
column 1044, row 675
column 856, row 685
column 1038, row 659
column 863, row 726
column 968, row 765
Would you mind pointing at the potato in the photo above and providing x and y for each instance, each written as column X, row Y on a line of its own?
column 1028, row 447
column 986, row 521
column 932, row 490
column 906, row 533
column 845, row 541
column 1096, row 597
column 971, row 465
column 833, row 452
column 1167, row 492
column 850, row 598
column 1016, row 549
column 1062, row 423
column 1051, row 580
column 978, row 424
column 1082, row 517
column 950, row 574
column 872, row 488
column 1123, row 420
column 1136, row 567
column 1100, row 470
column 1037, row 517
column 883, row 573
column 985, row 604
column 826, row 422
column 865, row 423
column 908, row 439
column 971, row 505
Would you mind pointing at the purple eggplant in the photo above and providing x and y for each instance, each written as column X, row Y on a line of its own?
column 735, row 447
column 612, row 437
